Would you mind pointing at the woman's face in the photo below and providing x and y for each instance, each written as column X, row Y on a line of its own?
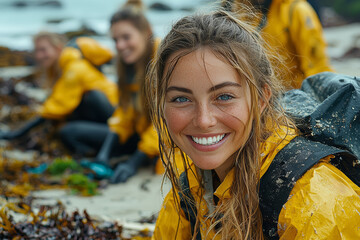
column 130, row 43
column 46, row 54
column 206, row 110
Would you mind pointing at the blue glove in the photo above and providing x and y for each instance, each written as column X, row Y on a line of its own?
column 39, row 169
column 125, row 170
column 100, row 171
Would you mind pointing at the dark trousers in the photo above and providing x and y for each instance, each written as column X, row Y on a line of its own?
column 86, row 128
column 86, row 138
column 94, row 107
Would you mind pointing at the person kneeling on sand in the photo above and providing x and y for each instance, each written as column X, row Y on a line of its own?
column 80, row 90
column 129, row 131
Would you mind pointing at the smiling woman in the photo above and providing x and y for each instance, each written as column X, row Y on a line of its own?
column 215, row 98
column 207, row 118
column 129, row 130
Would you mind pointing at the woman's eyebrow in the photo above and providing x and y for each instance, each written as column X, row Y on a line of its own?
column 180, row 89
column 224, row 84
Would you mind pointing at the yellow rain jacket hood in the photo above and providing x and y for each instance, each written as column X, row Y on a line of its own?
column 324, row 203
column 294, row 33
column 127, row 122
column 79, row 75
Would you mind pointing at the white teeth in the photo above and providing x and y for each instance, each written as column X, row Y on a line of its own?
column 209, row 140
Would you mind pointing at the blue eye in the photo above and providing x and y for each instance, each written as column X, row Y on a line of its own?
column 180, row 99
column 224, row 97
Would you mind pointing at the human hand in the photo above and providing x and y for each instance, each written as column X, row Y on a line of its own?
column 123, row 172
column 99, row 171
column 9, row 135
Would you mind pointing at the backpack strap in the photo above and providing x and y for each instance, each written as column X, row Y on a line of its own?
column 289, row 165
column 187, row 203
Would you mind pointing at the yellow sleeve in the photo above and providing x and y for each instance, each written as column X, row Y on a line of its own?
column 171, row 223
column 66, row 95
column 307, row 37
column 149, row 142
column 324, row 204
column 122, row 123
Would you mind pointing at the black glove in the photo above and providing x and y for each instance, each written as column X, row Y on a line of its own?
column 125, row 170
column 106, row 149
column 8, row 135
column 23, row 130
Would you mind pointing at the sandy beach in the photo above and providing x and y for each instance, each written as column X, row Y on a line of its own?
column 142, row 196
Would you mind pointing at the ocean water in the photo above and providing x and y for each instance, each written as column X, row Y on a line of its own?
column 19, row 24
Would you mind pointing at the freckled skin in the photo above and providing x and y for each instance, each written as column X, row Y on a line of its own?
column 201, row 112
column 130, row 43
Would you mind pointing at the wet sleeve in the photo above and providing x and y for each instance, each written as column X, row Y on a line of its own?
column 149, row 142
column 171, row 223
column 66, row 95
column 122, row 123
column 324, row 204
column 307, row 37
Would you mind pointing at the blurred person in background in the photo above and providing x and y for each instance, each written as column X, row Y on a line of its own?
column 47, row 50
column 293, row 30
column 129, row 131
column 80, row 91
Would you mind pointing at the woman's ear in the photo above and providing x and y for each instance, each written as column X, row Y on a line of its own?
column 267, row 95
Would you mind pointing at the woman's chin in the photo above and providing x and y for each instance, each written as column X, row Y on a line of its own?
column 130, row 60
column 205, row 164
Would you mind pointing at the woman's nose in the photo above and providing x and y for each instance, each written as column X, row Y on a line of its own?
column 204, row 117
column 120, row 45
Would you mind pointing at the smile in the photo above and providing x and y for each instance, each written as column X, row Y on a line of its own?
column 209, row 140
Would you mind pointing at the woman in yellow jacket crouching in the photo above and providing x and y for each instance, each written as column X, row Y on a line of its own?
column 129, row 130
column 79, row 90
column 215, row 97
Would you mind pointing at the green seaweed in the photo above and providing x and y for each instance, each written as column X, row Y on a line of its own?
column 79, row 183
column 60, row 165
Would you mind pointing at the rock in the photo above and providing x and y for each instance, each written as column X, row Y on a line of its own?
column 83, row 31
column 330, row 18
column 56, row 20
column 20, row 4
column 353, row 52
column 52, row 3
column 187, row 9
column 160, row 7
column 9, row 57
column 56, row 4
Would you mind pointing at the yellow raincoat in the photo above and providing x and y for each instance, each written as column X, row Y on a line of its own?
column 324, row 203
column 125, row 123
column 79, row 75
column 294, row 33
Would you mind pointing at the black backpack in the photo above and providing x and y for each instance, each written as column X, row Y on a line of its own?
column 327, row 112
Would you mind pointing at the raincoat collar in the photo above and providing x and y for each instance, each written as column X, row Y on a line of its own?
column 273, row 144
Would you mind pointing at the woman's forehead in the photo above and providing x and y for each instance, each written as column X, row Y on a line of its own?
column 200, row 64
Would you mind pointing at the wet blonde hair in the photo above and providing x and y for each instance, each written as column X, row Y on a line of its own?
column 239, row 44
column 132, row 11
